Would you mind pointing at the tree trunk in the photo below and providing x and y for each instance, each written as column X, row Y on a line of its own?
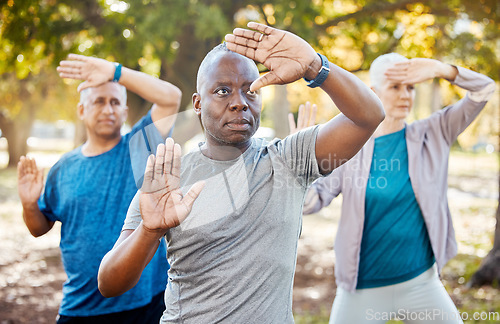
column 137, row 107
column 182, row 72
column 489, row 271
column 16, row 132
column 17, row 129
column 281, row 108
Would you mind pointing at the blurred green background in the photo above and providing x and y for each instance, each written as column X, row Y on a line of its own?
column 169, row 38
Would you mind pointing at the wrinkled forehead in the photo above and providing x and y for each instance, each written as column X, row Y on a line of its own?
column 227, row 67
column 105, row 90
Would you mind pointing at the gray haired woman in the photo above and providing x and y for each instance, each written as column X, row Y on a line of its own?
column 396, row 232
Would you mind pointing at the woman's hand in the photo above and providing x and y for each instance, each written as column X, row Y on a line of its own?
column 419, row 70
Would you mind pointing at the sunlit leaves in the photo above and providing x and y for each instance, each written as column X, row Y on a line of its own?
column 150, row 34
column 414, row 29
column 213, row 16
column 415, row 40
column 34, row 29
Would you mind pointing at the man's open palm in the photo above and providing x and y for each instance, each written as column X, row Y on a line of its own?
column 161, row 201
column 94, row 71
column 305, row 118
column 29, row 180
column 286, row 55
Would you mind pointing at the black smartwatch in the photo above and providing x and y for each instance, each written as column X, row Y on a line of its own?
column 322, row 75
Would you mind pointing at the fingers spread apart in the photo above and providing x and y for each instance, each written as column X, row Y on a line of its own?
column 172, row 160
column 246, row 42
column 244, row 46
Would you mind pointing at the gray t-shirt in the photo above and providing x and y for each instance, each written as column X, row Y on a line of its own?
column 233, row 259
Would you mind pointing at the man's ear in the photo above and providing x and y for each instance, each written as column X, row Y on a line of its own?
column 80, row 110
column 125, row 113
column 197, row 103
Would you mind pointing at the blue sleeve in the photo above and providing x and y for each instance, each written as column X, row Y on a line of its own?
column 145, row 124
column 143, row 140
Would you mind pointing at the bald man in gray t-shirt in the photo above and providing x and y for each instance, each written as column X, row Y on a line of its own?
column 233, row 258
column 232, row 237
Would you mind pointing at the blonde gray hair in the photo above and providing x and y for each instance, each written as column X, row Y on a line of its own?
column 380, row 65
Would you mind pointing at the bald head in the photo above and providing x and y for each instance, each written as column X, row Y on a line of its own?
column 210, row 59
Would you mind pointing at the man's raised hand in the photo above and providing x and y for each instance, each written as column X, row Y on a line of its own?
column 287, row 56
column 419, row 70
column 305, row 118
column 94, row 71
column 161, row 201
column 29, row 181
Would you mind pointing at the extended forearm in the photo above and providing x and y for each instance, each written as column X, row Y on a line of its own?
column 121, row 268
column 480, row 87
column 446, row 71
column 35, row 220
column 162, row 93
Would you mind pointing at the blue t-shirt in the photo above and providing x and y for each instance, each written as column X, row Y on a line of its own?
column 90, row 196
column 395, row 246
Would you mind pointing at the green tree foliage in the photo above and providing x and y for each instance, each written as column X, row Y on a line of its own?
column 169, row 38
column 33, row 37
